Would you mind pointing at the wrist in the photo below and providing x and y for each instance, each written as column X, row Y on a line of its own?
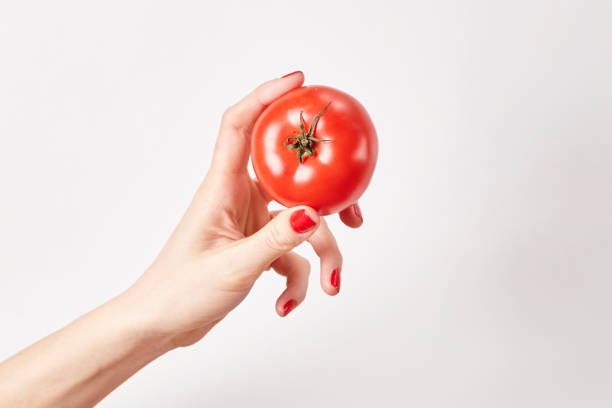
column 138, row 322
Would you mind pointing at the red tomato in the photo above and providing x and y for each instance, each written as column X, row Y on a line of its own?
column 328, row 163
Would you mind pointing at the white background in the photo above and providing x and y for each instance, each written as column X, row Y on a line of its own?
column 483, row 273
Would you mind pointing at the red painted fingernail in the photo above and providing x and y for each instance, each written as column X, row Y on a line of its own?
column 357, row 211
column 301, row 222
column 289, row 306
column 335, row 279
column 291, row 73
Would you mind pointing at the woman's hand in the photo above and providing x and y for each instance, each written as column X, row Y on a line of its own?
column 227, row 238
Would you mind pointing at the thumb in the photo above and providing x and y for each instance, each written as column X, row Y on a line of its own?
column 280, row 235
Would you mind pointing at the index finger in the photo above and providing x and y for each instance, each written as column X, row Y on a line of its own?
column 233, row 144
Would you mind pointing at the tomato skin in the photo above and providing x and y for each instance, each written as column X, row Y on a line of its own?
column 340, row 170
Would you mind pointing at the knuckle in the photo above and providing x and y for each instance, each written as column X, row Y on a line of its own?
column 228, row 116
column 276, row 241
column 305, row 266
column 230, row 120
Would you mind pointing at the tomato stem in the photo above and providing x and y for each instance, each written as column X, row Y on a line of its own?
column 303, row 143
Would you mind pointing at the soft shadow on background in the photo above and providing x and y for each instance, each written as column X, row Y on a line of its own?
column 482, row 275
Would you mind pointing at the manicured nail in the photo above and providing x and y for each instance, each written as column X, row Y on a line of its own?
column 335, row 279
column 357, row 211
column 289, row 306
column 301, row 222
column 291, row 73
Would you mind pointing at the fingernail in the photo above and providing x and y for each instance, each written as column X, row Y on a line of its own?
column 335, row 279
column 289, row 306
column 357, row 211
column 291, row 73
column 301, row 222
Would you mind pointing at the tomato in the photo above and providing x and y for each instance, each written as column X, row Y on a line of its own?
column 314, row 146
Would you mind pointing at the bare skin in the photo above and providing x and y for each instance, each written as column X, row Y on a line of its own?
column 223, row 243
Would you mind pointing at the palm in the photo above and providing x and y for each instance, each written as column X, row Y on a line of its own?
column 239, row 209
column 249, row 205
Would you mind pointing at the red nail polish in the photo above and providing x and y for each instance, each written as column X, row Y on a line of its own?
column 357, row 211
column 291, row 73
column 301, row 222
column 289, row 306
column 335, row 279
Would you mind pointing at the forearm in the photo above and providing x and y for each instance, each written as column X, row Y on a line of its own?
column 83, row 362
